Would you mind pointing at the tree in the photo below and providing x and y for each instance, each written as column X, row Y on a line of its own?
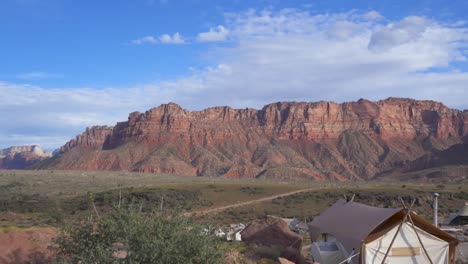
column 128, row 236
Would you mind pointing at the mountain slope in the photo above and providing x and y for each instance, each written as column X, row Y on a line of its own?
column 317, row 140
column 449, row 165
column 20, row 157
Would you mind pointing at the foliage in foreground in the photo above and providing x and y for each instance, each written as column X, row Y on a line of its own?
column 127, row 236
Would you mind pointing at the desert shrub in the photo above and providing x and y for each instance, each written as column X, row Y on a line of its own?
column 252, row 190
column 236, row 246
column 127, row 236
column 461, row 195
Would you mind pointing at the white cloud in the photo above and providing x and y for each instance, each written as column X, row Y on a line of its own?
column 36, row 75
column 219, row 33
column 40, row 113
column 292, row 55
column 145, row 39
column 407, row 30
column 343, row 30
column 274, row 56
column 177, row 38
column 373, row 15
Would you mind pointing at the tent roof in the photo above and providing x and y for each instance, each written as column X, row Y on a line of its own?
column 464, row 210
column 350, row 222
column 353, row 224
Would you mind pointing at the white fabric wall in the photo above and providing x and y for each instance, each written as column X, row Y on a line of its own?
column 437, row 249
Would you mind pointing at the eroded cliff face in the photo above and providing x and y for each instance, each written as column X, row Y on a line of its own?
column 93, row 137
column 20, row 157
column 317, row 140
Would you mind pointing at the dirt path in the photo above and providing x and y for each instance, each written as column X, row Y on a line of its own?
column 230, row 206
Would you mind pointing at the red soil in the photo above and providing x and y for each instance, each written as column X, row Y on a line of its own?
column 26, row 246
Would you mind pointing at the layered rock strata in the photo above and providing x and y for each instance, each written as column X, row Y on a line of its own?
column 284, row 140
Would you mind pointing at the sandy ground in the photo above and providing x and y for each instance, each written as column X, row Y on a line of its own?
column 26, row 246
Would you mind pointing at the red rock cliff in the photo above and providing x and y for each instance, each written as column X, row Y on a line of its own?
column 93, row 137
column 319, row 140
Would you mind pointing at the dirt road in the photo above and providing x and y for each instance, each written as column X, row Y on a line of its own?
column 225, row 207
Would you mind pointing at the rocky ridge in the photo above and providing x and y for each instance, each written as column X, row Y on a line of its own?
column 284, row 140
column 20, row 157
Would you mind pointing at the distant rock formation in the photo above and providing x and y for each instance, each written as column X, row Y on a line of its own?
column 20, row 157
column 284, row 140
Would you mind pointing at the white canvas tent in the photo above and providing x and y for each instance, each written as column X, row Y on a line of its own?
column 368, row 231
column 406, row 247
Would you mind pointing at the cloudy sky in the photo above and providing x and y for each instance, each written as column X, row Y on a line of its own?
column 71, row 64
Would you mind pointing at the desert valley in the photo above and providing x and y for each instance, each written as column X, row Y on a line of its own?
column 223, row 166
column 233, row 132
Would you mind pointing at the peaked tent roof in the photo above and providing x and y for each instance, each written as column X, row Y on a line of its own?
column 350, row 222
column 353, row 224
column 464, row 210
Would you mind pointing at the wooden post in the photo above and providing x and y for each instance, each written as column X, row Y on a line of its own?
column 162, row 203
column 398, row 231
column 120, row 197
column 417, row 235
column 96, row 211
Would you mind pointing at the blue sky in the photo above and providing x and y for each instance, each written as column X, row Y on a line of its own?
column 72, row 64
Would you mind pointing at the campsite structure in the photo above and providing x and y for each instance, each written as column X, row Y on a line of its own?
column 234, row 234
column 350, row 232
column 297, row 225
column 460, row 218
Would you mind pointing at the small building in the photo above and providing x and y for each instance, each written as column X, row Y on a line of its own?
column 358, row 233
column 234, row 233
column 460, row 218
column 234, row 236
column 298, row 226
column 219, row 233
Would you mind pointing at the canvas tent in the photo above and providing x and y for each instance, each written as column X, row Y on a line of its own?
column 461, row 218
column 368, row 231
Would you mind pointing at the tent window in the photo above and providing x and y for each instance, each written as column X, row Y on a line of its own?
column 463, row 220
column 406, row 251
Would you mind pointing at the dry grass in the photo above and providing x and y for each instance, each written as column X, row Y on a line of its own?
column 72, row 183
column 31, row 198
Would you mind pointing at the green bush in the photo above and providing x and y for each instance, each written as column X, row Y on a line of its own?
column 138, row 238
